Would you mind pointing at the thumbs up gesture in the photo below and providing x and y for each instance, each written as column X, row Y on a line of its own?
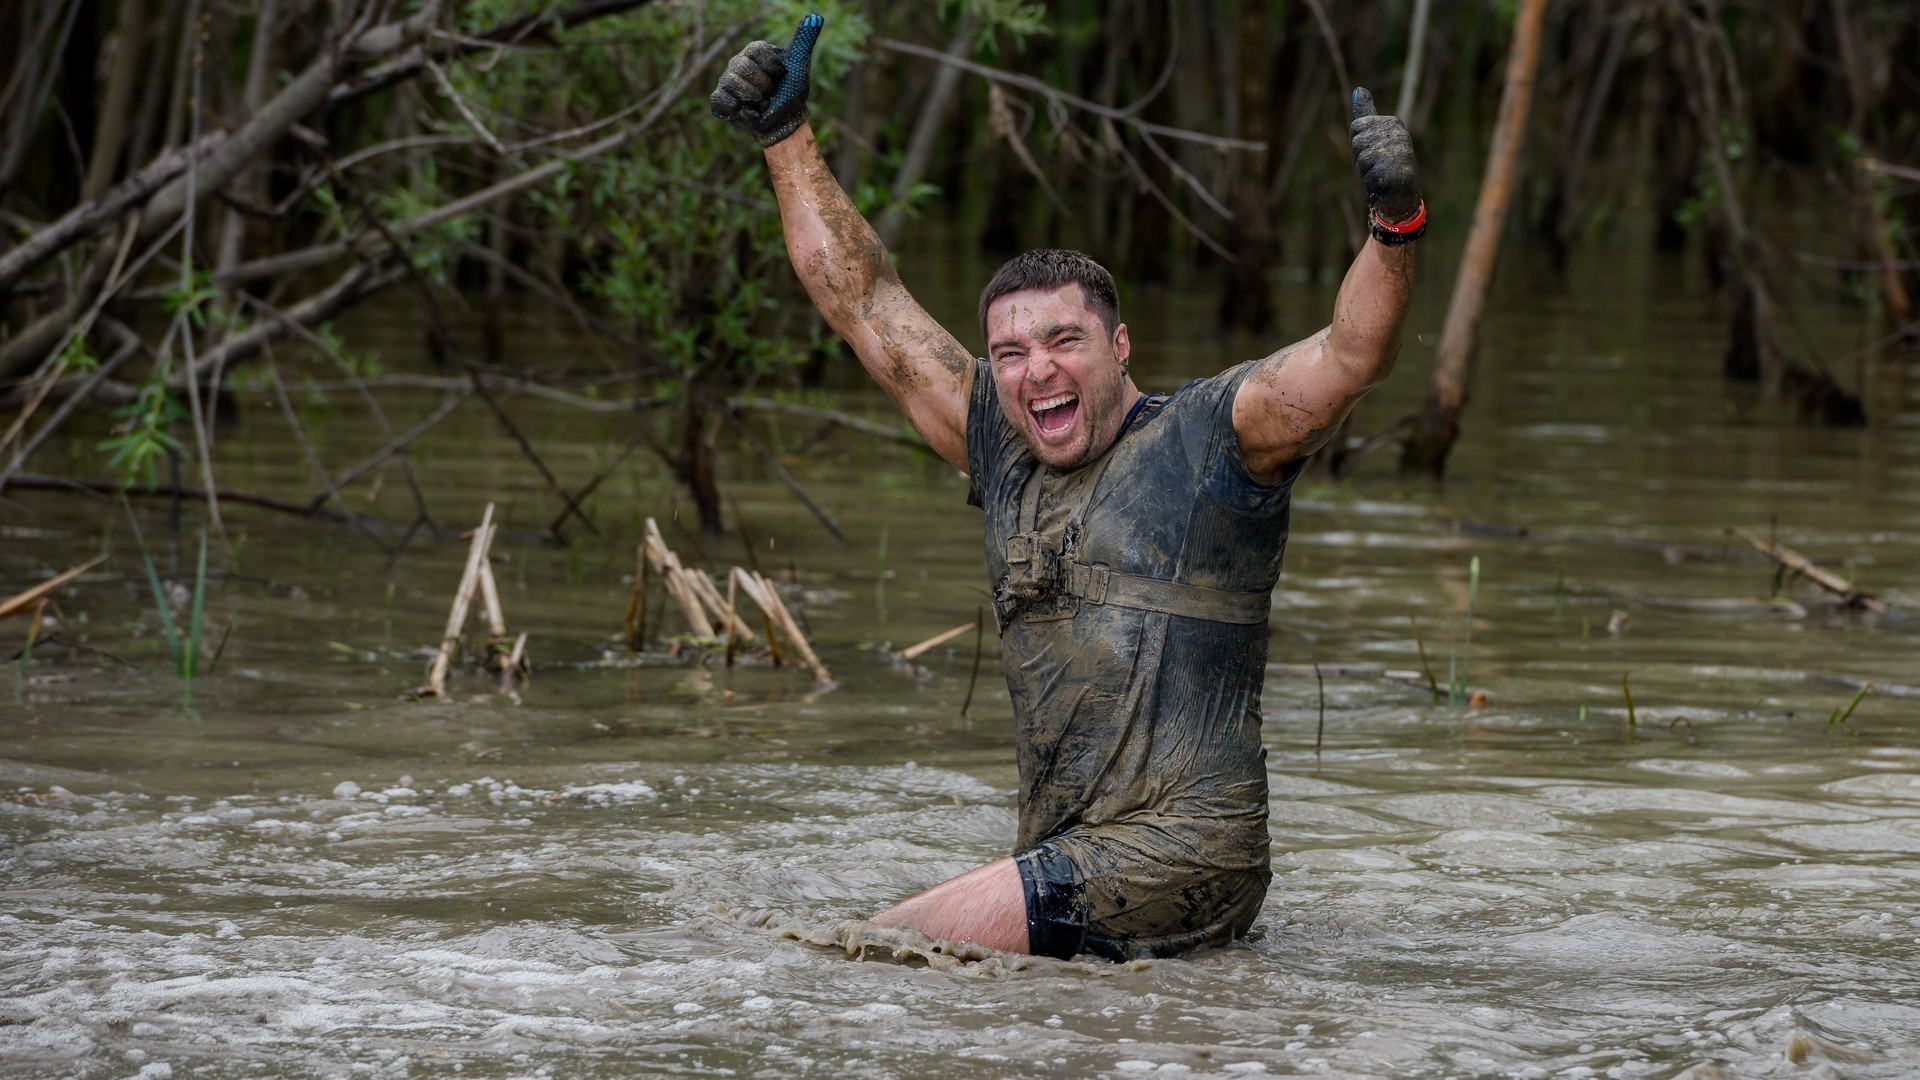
column 764, row 89
column 1383, row 156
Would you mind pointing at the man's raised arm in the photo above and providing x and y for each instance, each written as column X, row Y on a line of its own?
column 1296, row 398
column 838, row 256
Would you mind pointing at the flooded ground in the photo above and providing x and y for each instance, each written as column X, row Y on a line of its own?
column 293, row 871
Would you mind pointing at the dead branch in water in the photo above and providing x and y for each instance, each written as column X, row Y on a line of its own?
column 1799, row 564
column 914, row 652
column 15, row 604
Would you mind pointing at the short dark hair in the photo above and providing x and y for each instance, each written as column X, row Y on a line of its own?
column 1050, row 268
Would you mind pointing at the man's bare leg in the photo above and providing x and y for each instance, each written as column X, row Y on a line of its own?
column 987, row 906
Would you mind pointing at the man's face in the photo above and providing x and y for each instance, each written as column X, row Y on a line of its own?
column 1060, row 377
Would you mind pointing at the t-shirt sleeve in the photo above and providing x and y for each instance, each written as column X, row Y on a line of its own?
column 1228, row 480
column 986, row 432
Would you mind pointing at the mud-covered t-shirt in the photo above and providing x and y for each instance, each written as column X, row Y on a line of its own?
column 1134, row 726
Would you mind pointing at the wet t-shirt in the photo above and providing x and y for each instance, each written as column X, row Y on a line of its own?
column 1138, row 731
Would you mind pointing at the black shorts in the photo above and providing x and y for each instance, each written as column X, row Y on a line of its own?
column 1130, row 911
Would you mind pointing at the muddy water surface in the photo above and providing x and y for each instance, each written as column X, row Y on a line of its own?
column 291, row 871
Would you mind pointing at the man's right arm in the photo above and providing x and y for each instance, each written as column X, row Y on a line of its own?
column 840, row 260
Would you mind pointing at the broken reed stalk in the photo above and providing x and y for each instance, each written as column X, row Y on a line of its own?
column 733, row 641
column 13, row 605
column 462, row 604
column 762, row 592
column 674, row 578
column 692, row 589
column 1626, row 689
column 914, row 652
column 513, row 665
column 697, row 595
column 490, row 598
column 637, row 602
column 1797, row 563
column 709, row 594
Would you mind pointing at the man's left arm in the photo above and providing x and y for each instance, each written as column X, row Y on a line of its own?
column 1294, row 400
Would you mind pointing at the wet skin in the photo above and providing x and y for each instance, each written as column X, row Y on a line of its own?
column 1060, row 377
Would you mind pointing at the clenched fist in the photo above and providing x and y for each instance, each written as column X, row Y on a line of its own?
column 1383, row 156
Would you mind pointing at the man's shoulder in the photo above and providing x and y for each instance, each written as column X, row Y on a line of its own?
column 1200, row 396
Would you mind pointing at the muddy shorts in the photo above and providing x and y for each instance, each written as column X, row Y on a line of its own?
column 1130, row 910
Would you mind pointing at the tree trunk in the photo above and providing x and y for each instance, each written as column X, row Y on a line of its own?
column 1876, row 238
column 1561, row 217
column 129, row 56
column 250, row 183
column 1246, row 303
column 1439, row 423
column 1416, row 51
column 927, row 129
column 1676, row 147
column 696, row 464
column 79, row 99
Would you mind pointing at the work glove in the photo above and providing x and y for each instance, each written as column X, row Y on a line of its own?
column 764, row 89
column 1383, row 156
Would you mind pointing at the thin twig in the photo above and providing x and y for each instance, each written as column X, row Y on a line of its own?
column 780, row 471
column 1320, row 732
column 979, row 646
column 1027, row 82
column 395, row 445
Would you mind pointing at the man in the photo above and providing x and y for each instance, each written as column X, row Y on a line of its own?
column 1133, row 540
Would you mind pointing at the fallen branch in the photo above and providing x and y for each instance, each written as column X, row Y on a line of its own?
column 1803, row 566
column 398, row 443
column 905, row 436
column 914, row 652
column 15, row 604
column 358, row 283
column 98, row 486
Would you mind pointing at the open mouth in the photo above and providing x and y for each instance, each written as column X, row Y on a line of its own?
column 1055, row 414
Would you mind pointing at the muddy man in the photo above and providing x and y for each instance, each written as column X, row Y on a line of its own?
column 1133, row 540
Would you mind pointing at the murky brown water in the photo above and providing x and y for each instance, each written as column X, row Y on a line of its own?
column 291, row 872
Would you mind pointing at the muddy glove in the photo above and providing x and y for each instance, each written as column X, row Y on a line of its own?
column 1383, row 156
column 764, row 90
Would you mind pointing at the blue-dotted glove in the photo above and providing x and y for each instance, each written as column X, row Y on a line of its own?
column 764, row 90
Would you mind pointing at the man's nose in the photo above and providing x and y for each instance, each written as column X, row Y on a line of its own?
column 1039, row 366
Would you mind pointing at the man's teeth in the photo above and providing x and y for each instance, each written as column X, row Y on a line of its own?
column 1054, row 402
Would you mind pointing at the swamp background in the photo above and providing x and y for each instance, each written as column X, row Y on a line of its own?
column 434, row 256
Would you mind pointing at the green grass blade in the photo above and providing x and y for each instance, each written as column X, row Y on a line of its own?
column 1837, row 717
column 197, row 626
column 159, row 594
